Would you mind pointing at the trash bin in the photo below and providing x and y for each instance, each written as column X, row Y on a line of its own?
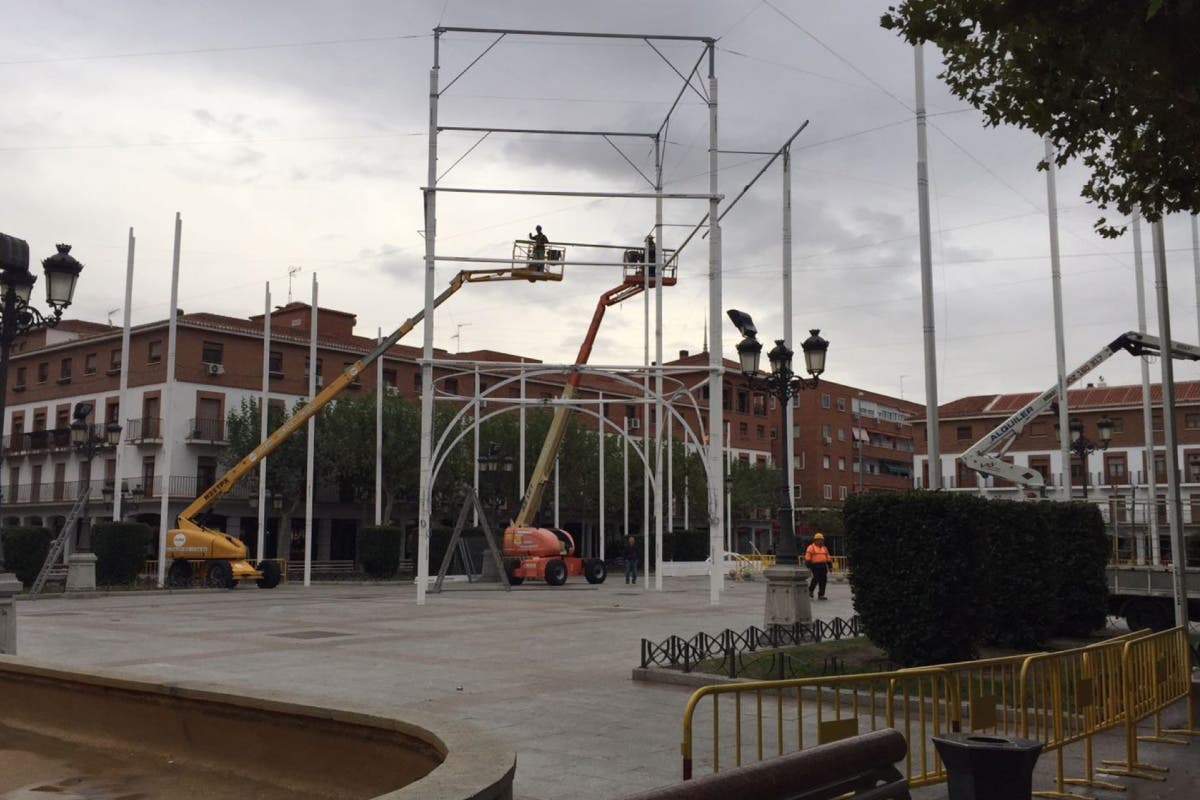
column 985, row 767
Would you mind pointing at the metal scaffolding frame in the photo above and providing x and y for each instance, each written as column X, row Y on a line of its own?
column 690, row 81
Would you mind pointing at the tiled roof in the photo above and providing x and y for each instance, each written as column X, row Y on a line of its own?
column 1096, row 397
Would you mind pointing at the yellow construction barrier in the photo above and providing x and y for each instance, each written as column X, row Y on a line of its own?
column 1157, row 673
column 1059, row 699
column 1069, row 697
column 914, row 702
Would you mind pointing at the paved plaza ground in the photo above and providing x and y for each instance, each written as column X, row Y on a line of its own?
column 546, row 669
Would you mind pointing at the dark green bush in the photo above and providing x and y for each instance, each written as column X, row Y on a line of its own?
column 25, row 551
column 1079, row 551
column 1018, row 600
column 935, row 575
column 911, row 560
column 120, row 549
column 379, row 550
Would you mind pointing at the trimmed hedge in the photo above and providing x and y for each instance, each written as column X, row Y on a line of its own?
column 25, row 550
column 120, row 549
column 935, row 575
column 379, row 550
column 1081, row 550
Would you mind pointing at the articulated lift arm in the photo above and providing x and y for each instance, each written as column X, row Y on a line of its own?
column 558, row 426
column 293, row 423
column 987, row 455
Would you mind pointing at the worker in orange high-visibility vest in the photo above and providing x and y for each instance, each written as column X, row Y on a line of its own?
column 817, row 558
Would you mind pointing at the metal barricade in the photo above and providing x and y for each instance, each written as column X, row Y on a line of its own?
column 831, row 708
column 1157, row 673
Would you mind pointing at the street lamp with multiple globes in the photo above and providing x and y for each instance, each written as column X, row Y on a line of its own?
column 492, row 463
column 88, row 440
column 1083, row 447
column 17, row 316
column 783, row 384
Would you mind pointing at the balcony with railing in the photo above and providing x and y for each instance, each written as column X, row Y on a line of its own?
column 180, row 487
column 146, row 430
column 34, row 442
column 206, row 431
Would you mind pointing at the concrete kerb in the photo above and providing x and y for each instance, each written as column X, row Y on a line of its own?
column 475, row 765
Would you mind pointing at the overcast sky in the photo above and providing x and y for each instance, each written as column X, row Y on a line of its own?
column 295, row 135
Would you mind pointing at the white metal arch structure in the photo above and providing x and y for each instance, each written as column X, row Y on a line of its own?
column 692, row 81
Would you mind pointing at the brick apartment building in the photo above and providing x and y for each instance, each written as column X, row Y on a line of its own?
column 847, row 440
column 1117, row 477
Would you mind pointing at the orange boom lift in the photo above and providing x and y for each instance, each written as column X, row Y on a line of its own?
column 549, row 553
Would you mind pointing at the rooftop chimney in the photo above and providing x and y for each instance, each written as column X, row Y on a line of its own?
column 683, row 354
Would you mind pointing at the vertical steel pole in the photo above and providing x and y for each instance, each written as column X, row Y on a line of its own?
column 716, row 443
column 379, row 392
column 123, row 401
column 1174, row 509
column 728, row 492
column 932, row 428
column 264, row 401
column 168, row 407
column 426, row 489
column 521, row 437
column 647, row 535
column 788, row 432
column 1196, row 266
column 310, row 450
column 1147, row 412
column 475, row 441
column 670, row 471
column 600, row 428
column 557, row 524
column 1060, row 352
column 625, row 472
column 657, row 271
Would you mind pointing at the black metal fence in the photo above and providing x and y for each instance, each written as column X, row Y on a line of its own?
column 733, row 647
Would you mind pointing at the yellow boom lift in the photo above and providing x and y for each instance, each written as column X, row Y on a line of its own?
column 223, row 559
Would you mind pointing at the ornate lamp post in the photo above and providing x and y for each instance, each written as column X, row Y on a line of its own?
column 493, row 465
column 1083, row 447
column 17, row 316
column 88, row 440
column 787, row 599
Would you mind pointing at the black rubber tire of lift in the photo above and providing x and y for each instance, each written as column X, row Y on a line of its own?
column 511, row 566
column 556, row 572
column 179, row 574
column 219, row 575
column 271, row 574
column 594, row 570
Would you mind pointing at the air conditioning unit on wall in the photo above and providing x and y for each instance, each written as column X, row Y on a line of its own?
column 216, row 369
column 393, row 391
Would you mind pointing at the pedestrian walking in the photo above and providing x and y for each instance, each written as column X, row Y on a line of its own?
column 817, row 559
column 631, row 561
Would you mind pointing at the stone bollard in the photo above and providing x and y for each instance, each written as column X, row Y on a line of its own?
column 9, row 587
column 81, row 572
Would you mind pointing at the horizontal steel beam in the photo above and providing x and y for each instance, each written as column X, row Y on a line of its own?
column 582, row 34
column 550, row 193
column 545, row 131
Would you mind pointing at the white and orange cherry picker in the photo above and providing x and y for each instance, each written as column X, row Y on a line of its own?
column 548, row 554
column 221, row 559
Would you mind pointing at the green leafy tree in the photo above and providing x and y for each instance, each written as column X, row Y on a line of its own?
column 1112, row 83
column 286, row 466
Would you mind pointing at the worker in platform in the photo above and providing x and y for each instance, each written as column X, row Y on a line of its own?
column 540, row 240
column 650, row 253
column 817, row 559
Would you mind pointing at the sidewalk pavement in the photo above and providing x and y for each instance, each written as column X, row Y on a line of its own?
column 546, row 668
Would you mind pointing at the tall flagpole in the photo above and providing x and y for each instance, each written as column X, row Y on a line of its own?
column 1060, row 352
column 264, row 405
column 123, row 402
column 312, row 438
column 164, row 522
column 933, row 446
column 603, row 418
column 1147, row 411
column 379, row 391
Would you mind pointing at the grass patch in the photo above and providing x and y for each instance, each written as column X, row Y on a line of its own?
column 840, row 657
